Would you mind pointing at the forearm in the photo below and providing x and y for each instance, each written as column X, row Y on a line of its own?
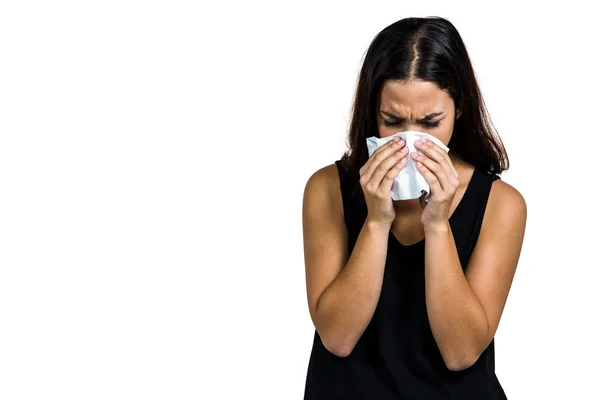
column 347, row 305
column 457, row 319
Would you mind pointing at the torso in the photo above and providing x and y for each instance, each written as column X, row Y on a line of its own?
column 407, row 227
column 397, row 354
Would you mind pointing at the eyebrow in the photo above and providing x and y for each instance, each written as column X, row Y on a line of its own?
column 427, row 117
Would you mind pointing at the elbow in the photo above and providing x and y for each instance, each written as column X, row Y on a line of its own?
column 337, row 347
column 339, row 350
column 336, row 339
column 459, row 365
column 459, row 362
column 464, row 355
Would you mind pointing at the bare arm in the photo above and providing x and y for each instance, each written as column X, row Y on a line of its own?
column 342, row 290
column 465, row 308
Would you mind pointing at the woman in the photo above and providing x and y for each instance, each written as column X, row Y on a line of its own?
column 406, row 296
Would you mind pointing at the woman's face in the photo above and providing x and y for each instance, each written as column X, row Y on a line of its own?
column 404, row 106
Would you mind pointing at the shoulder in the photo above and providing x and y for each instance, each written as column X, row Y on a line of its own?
column 505, row 197
column 323, row 187
column 506, row 206
column 323, row 207
column 325, row 179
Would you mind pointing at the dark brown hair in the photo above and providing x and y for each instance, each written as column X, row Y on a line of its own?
column 428, row 49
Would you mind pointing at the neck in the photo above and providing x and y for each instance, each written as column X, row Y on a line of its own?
column 454, row 158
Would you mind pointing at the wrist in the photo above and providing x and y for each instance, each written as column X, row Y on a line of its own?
column 437, row 228
column 378, row 226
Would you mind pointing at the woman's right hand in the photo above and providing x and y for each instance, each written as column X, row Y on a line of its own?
column 377, row 177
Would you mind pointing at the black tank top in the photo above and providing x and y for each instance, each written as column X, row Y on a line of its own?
column 397, row 357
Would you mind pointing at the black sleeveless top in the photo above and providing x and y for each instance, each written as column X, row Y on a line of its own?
column 397, row 357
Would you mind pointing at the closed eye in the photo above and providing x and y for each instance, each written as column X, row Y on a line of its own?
column 424, row 123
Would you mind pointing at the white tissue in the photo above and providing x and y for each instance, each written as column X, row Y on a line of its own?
column 410, row 182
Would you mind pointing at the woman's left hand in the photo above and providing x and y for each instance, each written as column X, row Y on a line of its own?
column 438, row 170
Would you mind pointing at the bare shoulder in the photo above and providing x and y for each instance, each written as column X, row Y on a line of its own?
column 324, row 178
column 506, row 201
column 323, row 187
column 506, row 211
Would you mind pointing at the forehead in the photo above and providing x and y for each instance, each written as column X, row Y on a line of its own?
column 414, row 95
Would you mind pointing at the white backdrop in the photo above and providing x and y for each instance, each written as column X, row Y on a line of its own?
column 153, row 157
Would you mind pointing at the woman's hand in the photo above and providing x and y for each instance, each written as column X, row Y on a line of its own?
column 437, row 169
column 377, row 177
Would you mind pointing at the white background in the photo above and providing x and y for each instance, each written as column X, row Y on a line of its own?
column 153, row 158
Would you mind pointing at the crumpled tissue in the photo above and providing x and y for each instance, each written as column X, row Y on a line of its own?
column 410, row 183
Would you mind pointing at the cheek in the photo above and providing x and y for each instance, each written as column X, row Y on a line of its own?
column 443, row 134
column 446, row 134
column 385, row 131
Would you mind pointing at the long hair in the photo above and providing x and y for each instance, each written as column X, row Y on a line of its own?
column 428, row 49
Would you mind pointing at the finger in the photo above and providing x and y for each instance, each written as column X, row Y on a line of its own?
column 438, row 166
column 385, row 166
column 388, row 179
column 434, row 182
column 448, row 161
column 435, row 152
column 378, row 157
column 365, row 167
column 384, row 161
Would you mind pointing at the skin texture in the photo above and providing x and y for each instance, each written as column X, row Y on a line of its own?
column 343, row 289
